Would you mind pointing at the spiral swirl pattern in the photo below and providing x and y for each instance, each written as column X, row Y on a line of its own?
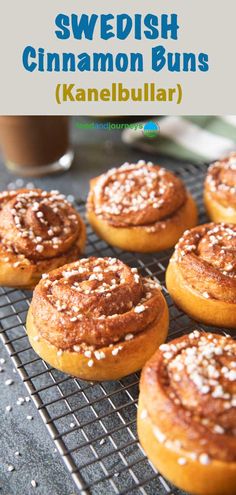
column 189, row 392
column 37, row 224
column 221, row 181
column 94, row 302
column 137, row 195
column 206, row 257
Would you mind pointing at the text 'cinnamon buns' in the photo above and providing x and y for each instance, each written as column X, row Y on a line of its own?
column 140, row 207
column 220, row 190
column 187, row 412
column 97, row 319
column 39, row 231
column 201, row 276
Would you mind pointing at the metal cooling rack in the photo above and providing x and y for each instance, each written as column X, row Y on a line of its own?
column 101, row 451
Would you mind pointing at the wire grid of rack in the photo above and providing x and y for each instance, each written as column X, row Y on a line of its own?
column 101, row 450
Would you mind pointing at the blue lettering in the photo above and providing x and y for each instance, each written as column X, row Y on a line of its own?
column 169, row 27
column 84, row 27
column 203, row 62
column 124, row 26
column 158, row 58
column 29, row 53
column 62, row 21
column 106, row 28
column 151, row 22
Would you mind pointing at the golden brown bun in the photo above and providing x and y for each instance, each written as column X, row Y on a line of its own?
column 97, row 319
column 186, row 417
column 218, row 212
column 144, row 241
column 201, row 276
column 147, row 216
column 220, row 190
column 131, row 355
column 39, row 231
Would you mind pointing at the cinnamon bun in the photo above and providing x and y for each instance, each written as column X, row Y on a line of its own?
column 220, row 190
column 201, row 276
column 140, row 207
column 187, row 415
column 39, row 231
column 97, row 319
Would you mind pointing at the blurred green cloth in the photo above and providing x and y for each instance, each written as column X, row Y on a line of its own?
column 195, row 138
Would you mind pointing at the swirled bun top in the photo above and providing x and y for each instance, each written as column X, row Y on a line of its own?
column 95, row 302
column 221, row 181
column 37, row 224
column 136, row 194
column 190, row 392
column 206, row 256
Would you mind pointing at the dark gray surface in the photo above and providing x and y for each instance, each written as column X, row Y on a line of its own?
column 38, row 459
column 96, row 151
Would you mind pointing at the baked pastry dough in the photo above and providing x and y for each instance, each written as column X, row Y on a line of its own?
column 39, row 231
column 140, row 207
column 97, row 319
column 220, row 190
column 201, row 276
column 187, row 415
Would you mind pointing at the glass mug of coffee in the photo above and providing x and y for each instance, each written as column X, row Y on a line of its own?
column 36, row 145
